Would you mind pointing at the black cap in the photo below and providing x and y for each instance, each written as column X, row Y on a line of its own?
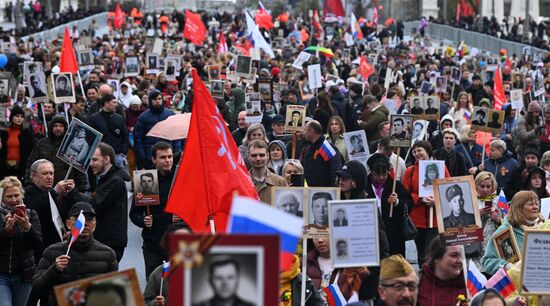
column 84, row 206
column 278, row 119
column 378, row 158
column 351, row 169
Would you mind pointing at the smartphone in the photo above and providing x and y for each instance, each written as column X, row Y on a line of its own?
column 297, row 180
column 20, row 210
column 488, row 204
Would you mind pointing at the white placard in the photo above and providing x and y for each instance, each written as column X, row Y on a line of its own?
column 516, row 96
column 354, row 233
column 429, row 170
column 253, row 107
column 301, row 59
column 314, row 76
column 392, row 105
column 387, row 79
column 357, row 146
column 545, row 208
column 349, row 39
column 535, row 278
column 158, row 46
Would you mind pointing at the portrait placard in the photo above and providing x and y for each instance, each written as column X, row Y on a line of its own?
column 295, row 118
column 431, row 108
column 213, row 72
column 535, row 265
column 171, row 67
column 545, row 207
column 301, row 59
column 119, row 286
column 496, row 120
column 458, row 219
column 146, row 187
column 38, row 91
column 78, row 145
column 253, row 106
column 247, row 262
column 114, row 67
column 425, row 87
column 516, row 97
column 158, row 46
column 419, row 130
column 152, row 63
column 265, row 88
column 316, row 216
column 480, row 118
column 357, row 146
column 63, row 89
column 507, row 246
column 216, row 89
column 456, row 74
column 400, row 130
column 417, row 105
column 289, row 199
column 354, row 233
column 85, row 59
column 314, row 76
column 441, row 84
column 244, row 65
column 429, row 170
column 518, row 80
column 31, row 68
column 132, row 66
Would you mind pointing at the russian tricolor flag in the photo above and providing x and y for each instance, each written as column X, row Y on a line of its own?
column 165, row 269
column 326, row 151
column 249, row 216
column 467, row 115
column 77, row 228
column 334, row 296
column 476, row 279
column 502, row 283
column 503, row 203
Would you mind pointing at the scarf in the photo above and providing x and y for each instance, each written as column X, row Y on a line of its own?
column 487, row 198
column 285, row 297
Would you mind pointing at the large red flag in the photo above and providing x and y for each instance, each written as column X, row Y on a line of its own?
column 335, row 7
column 264, row 20
column 498, row 90
column 67, row 62
column 365, row 69
column 222, row 46
column 194, row 30
column 119, row 17
column 283, row 17
column 211, row 171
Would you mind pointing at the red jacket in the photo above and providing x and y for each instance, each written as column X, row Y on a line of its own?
column 433, row 291
column 420, row 213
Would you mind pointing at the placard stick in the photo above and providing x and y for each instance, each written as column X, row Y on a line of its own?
column 465, row 270
column 484, row 147
column 294, row 145
column 212, row 225
column 68, row 172
column 81, row 87
column 44, row 119
column 304, row 274
column 452, row 90
column 431, row 216
column 66, row 110
column 395, row 177
column 148, row 210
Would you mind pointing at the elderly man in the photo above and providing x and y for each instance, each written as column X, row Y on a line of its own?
column 398, row 282
column 240, row 132
column 288, row 202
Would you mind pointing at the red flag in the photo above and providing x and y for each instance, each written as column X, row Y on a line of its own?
column 305, row 36
column 283, row 17
column 318, row 29
column 508, row 62
column 119, row 17
column 211, row 171
column 264, row 20
column 335, row 7
column 498, row 90
column 365, row 69
column 67, row 62
column 222, row 46
column 194, row 30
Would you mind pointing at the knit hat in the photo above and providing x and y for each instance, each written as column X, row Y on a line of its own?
column 453, row 191
column 534, row 106
column 16, row 110
column 532, row 150
column 134, row 100
column 486, row 102
column 394, row 266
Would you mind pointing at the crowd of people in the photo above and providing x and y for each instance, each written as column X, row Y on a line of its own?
column 515, row 159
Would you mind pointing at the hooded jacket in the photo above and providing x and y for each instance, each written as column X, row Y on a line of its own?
column 125, row 98
column 343, row 109
column 270, row 165
column 146, row 121
column 433, row 291
column 370, row 124
column 437, row 137
column 114, row 130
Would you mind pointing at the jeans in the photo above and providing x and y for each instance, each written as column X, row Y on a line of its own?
column 13, row 292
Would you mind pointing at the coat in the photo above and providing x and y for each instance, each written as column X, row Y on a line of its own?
column 114, row 130
column 142, row 142
column 378, row 115
column 17, row 250
column 501, row 168
column 472, row 155
column 454, row 161
column 317, row 171
column 88, row 258
column 433, row 291
column 26, row 143
column 490, row 261
column 264, row 188
column 526, row 135
column 152, row 288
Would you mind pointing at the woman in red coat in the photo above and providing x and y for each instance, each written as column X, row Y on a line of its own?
column 421, row 150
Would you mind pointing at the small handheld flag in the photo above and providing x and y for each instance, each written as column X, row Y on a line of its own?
column 467, row 115
column 77, row 229
column 502, row 203
column 326, row 151
column 165, row 269
column 476, row 280
column 501, row 282
column 334, row 296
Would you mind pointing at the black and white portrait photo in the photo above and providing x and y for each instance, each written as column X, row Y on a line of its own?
column 216, row 89
column 480, row 116
column 496, row 119
column 146, row 188
column 171, row 68
column 31, row 68
column 289, row 199
column 85, row 58
column 37, row 86
column 265, row 89
column 342, row 248
column 400, row 130
column 63, row 87
column 431, row 106
column 244, row 65
column 441, row 84
column 341, row 218
column 456, row 74
column 457, row 206
column 152, row 61
column 228, row 276
column 417, row 105
column 418, row 130
column 79, row 145
column 132, row 66
column 4, row 90
column 506, row 246
column 318, row 205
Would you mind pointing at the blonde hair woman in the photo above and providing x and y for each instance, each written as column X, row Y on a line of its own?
column 462, row 104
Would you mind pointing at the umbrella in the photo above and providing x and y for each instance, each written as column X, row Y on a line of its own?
column 172, row 128
column 325, row 51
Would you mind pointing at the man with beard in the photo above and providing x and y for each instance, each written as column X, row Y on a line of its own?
column 46, row 148
column 398, row 282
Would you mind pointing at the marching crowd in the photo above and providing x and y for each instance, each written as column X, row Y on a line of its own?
column 42, row 197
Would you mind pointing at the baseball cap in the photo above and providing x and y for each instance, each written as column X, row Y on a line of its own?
column 85, row 207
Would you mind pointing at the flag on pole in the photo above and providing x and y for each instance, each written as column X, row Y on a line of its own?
column 476, row 279
column 326, row 151
column 355, row 28
column 250, row 216
column 318, row 29
column 501, row 282
column 194, row 29
column 503, row 203
column 119, row 17
column 257, row 38
column 334, row 296
column 77, row 229
column 467, row 115
column 365, row 69
column 498, row 90
column 222, row 46
column 263, row 18
column 67, row 62
column 165, row 269
column 211, row 170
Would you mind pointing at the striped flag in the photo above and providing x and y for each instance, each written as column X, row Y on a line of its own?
column 326, row 151
column 467, row 115
column 334, row 296
column 476, row 280
column 165, row 269
column 501, row 282
column 76, row 230
column 503, row 203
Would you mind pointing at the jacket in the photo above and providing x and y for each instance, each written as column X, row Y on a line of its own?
column 46, row 148
column 526, row 135
column 472, row 155
column 235, row 105
column 17, row 250
column 370, row 124
column 114, row 130
column 501, row 168
column 317, row 171
column 26, row 143
column 454, row 161
column 161, row 219
column 433, row 291
column 344, row 109
column 420, row 214
column 146, row 121
column 340, row 144
column 88, row 258
column 264, row 188
column 110, row 203
column 490, row 261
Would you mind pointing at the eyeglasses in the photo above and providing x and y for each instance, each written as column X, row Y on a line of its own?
column 401, row 286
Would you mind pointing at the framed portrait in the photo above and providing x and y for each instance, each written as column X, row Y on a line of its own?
column 488, row 75
column 456, row 74
column 457, row 210
column 114, row 67
column 354, row 233
column 417, row 106
column 507, row 246
column 496, row 120
column 158, row 45
column 247, row 263
column 4, row 90
column 38, row 91
column 146, row 187
column 170, row 67
column 122, row 288
column 63, row 88
column 153, row 64
column 132, row 66
column 216, row 88
column 429, row 170
column 535, row 265
column 289, row 199
column 357, row 146
column 441, row 84
column 400, row 130
column 518, row 80
column 78, row 145
column 346, row 54
column 431, row 107
column 32, row 68
column 265, row 88
column 253, row 107
column 85, row 58
column 115, row 85
column 244, row 65
column 492, row 63
column 316, row 216
column 419, row 130
column 425, row 87
column 213, row 72
column 295, row 118
column 480, row 118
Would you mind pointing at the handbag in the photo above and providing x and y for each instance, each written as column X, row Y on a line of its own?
column 409, row 229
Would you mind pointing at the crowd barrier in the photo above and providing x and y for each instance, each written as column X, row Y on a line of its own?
column 471, row 38
column 82, row 24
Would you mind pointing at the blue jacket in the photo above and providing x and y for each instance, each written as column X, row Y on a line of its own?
column 490, row 261
column 472, row 156
column 501, row 168
column 145, row 122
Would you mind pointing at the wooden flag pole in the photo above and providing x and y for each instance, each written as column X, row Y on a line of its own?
column 395, row 177
column 44, row 119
